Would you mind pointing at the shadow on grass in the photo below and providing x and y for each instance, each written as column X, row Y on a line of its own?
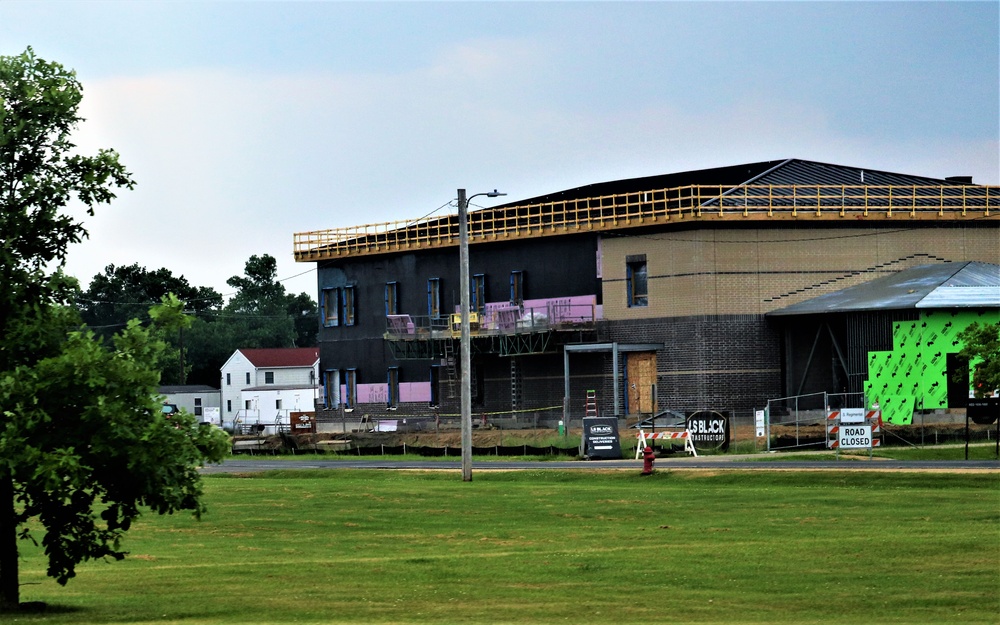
column 41, row 607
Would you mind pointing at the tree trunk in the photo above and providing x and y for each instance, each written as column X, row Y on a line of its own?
column 9, row 584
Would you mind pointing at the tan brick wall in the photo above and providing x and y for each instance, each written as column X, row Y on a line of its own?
column 754, row 271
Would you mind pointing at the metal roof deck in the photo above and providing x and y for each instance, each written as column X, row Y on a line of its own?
column 945, row 285
column 788, row 191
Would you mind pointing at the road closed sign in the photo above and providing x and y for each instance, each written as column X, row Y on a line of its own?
column 855, row 437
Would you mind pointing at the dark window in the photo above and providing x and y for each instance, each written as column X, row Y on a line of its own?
column 635, row 283
column 478, row 293
column 269, row 377
column 516, row 287
column 229, row 405
column 434, row 298
column 331, row 386
column 277, row 404
column 197, row 407
column 391, row 298
column 351, row 382
column 393, row 382
column 348, row 298
column 435, row 384
column 229, row 379
column 331, row 308
column 248, row 377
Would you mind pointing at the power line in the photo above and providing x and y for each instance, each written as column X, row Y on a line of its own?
column 223, row 296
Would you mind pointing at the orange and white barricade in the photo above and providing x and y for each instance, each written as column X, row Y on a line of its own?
column 684, row 435
column 835, row 421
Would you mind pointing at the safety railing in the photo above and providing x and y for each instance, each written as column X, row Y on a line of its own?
column 570, row 313
column 629, row 210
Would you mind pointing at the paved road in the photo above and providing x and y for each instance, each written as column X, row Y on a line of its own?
column 263, row 463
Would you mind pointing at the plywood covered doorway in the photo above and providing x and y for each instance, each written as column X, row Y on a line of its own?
column 640, row 382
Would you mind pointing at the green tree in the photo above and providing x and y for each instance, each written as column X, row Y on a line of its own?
column 263, row 314
column 982, row 350
column 86, row 445
column 126, row 292
column 82, row 442
column 305, row 313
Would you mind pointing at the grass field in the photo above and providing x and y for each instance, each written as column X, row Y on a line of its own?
column 553, row 547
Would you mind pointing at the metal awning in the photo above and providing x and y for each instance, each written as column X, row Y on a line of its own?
column 945, row 285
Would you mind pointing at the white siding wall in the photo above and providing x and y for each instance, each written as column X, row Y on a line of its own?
column 286, row 376
column 209, row 399
column 264, row 404
column 237, row 367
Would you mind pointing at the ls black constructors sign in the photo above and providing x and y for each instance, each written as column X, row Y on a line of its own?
column 600, row 438
column 709, row 429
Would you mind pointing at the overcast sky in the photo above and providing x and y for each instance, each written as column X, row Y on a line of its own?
column 245, row 122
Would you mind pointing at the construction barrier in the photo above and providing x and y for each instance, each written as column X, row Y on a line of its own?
column 684, row 435
column 853, row 429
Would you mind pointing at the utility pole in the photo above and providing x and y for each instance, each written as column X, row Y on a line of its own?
column 466, row 347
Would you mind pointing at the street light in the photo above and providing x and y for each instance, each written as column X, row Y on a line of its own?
column 466, row 361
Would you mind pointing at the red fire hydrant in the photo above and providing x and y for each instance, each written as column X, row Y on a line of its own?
column 647, row 460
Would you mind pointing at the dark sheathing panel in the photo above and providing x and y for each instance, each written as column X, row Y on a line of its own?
column 856, row 335
column 553, row 267
column 541, row 380
column 720, row 362
column 731, row 175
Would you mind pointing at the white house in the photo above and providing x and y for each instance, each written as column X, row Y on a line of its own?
column 262, row 386
column 200, row 400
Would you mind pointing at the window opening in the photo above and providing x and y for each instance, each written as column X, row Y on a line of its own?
column 331, row 308
column 351, row 382
column 435, row 385
column 636, row 284
column 269, row 377
column 348, row 298
column 478, row 293
column 331, row 388
column 391, row 298
column 434, row 298
column 393, row 383
column 517, row 287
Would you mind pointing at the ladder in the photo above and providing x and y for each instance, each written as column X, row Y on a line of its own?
column 449, row 362
column 591, row 410
column 515, row 384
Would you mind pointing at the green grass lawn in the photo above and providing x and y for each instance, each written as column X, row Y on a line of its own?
column 553, row 547
column 977, row 451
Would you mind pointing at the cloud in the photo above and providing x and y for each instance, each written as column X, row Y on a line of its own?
column 231, row 163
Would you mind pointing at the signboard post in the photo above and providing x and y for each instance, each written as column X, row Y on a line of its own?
column 853, row 428
column 709, row 430
column 600, row 438
column 983, row 411
column 855, row 437
column 302, row 422
column 212, row 414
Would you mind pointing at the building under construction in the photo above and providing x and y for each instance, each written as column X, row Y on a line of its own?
column 652, row 292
